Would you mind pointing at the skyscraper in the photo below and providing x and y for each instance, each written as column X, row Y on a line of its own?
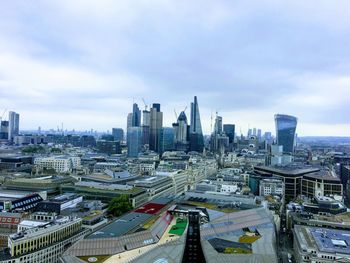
column 156, row 123
column 129, row 121
column 134, row 141
column 146, row 119
column 136, row 116
column 13, row 125
column 4, row 130
column 285, row 131
column 181, row 133
column 166, row 139
column 218, row 125
column 229, row 130
column 196, row 134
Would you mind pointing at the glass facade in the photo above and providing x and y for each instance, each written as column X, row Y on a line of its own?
column 196, row 134
column 166, row 139
column 229, row 130
column 134, row 141
column 285, row 131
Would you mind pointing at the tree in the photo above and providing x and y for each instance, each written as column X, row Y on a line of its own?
column 119, row 205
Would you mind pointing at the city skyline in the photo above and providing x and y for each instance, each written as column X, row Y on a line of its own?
column 84, row 65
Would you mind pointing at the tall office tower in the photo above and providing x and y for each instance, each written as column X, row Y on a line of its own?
column 218, row 125
column 4, row 130
column 254, row 131
column 134, row 141
column 146, row 118
column 13, row 124
column 181, row 128
column 181, row 133
column 166, row 139
column 196, row 134
column 156, row 123
column 285, row 131
column 136, row 116
column 229, row 130
column 250, row 132
column 118, row 134
column 259, row 134
column 129, row 121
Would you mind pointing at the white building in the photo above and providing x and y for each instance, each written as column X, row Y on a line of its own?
column 61, row 164
column 44, row 243
column 271, row 187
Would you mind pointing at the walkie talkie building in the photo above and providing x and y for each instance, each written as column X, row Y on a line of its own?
column 285, row 131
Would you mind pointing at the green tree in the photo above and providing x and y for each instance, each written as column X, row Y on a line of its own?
column 119, row 205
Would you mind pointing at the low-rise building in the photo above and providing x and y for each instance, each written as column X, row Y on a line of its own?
column 61, row 164
column 313, row 244
column 44, row 243
column 271, row 187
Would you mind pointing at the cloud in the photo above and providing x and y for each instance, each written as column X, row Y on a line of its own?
column 84, row 62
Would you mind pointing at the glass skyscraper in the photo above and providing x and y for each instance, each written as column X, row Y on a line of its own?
column 196, row 134
column 229, row 130
column 285, row 131
column 166, row 139
column 13, row 124
column 134, row 141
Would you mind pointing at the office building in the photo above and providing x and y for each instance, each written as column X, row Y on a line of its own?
column 156, row 123
column 61, row 164
column 136, row 116
column 108, row 147
column 196, row 134
column 134, row 141
column 314, row 244
column 44, row 243
column 118, row 134
column 13, row 124
column 181, row 133
column 166, row 139
column 270, row 186
column 285, row 131
column 146, row 118
column 291, row 175
column 218, row 125
column 4, row 130
column 229, row 130
column 129, row 121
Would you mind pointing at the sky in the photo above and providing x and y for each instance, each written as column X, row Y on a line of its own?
column 83, row 63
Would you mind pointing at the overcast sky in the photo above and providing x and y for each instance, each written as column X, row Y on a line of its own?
column 83, row 62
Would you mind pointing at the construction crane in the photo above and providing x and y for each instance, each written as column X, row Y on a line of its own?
column 185, row 109
column 3, row 114
column 175, row 115
column 144, row 103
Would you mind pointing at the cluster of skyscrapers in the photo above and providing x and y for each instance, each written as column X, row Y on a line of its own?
column 151, row 133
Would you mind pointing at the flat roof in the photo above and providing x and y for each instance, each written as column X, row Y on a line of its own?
column 331, row 241
column 121, row 225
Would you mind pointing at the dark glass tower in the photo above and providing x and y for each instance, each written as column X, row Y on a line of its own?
column 196, row 134
column 156, row 123
column 285, row 131
column 136, row 116
column 229, row 130
column 166, row 139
